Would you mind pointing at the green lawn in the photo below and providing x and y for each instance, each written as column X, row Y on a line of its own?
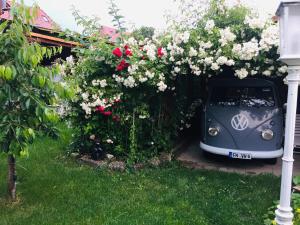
column 54, row 190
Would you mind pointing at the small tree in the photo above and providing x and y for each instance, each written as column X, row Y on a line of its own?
column 27, row 90
column 143, row 32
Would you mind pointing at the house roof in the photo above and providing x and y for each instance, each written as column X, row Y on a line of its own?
column 41, row 21
column 109, row 32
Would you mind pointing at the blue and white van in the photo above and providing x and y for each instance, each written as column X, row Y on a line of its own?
column 242, row 119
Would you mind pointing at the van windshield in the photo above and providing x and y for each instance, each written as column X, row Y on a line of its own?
column 242, row 96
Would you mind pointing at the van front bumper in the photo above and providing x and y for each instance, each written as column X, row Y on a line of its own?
column 255, row 154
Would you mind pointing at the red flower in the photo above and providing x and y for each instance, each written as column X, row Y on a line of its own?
column 123, row 64
column 117, row 52
column 100, row 109
column 107, row 113
column 160, row 52
column 128, row 52
column 126, row 47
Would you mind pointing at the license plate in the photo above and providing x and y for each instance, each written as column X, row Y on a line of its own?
column 238, row 155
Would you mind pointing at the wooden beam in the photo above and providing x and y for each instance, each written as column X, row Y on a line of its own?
column 53, row 40
column 1, row 7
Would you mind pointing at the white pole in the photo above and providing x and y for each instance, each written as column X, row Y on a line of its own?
column 284, row 214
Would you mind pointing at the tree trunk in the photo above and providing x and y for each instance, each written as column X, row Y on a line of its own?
column 12, row 178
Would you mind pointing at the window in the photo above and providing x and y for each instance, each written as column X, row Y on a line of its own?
column 243, row 96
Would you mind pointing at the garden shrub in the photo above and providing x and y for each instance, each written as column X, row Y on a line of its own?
column 134, row 96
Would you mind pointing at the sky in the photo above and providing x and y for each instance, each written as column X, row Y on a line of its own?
column 137, row 12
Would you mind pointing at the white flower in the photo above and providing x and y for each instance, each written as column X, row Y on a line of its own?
column 118, row 79
column 267, row 73
column 85, row 96
column 283, row 69
column 206, row 45
column 95, row 83
column 100, row 59
column 142, row 79
column 254, row 23
column 162, row 77
column 253, row 72
column 208, row 60
column 178, row 38
column 192, row 52
column 271, row 68
column 149, row 74
column 188, row 126
column 237, row 48
column 197, row 72
column 247, row 50
column 70, row 60
column 142, row 117
column 215, row 66
column 86, row 108
column 226, row 36
column 222, row 60
column 92, row 137
column 150, row 51
column 132, row 69
column 131, row 41
column 186, row 36
column 242, row 73
column 195, row 69
column 109, row 141
column 230, row 62
column 210, row 24
column 269, row 38
column 103, row 83
column 129, row 82
column 162, row 86
column 176, row 69
column 109, row 156
column 202, row 53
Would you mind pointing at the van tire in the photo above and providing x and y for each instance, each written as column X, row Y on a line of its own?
column 272, row 161
column 207, row 155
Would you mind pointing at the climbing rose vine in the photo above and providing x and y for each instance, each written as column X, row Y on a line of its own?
column 135, row 96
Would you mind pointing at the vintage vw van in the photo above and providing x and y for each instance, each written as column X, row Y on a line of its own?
column 242, row 119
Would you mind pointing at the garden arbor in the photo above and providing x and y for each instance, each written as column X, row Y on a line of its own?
column 289, row 13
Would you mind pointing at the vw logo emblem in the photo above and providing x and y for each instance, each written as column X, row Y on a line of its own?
column 239, row 122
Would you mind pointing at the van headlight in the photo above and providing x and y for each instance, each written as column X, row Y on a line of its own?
column 213, row 131
column 267, row 134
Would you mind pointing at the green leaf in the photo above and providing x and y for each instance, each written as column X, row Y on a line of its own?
column 27, row 103
column 34, row 60
column 8, row 74
column 3, row 25
column 2, row 71
column 296, row 180
column 41, row 81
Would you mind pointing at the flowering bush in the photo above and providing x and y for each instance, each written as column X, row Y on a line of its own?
column 133, row 96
